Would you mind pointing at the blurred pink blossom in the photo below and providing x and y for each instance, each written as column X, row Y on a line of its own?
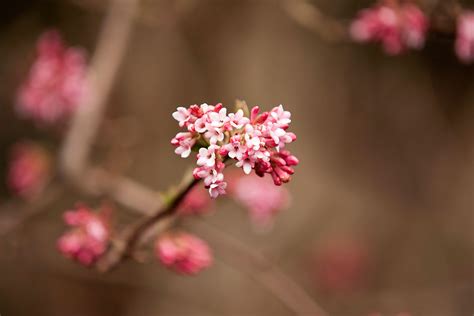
column 184, row 253
column 260, row 196
column 29, row 170
column 397, row 27
column 464, row 45
column 89, row 236
column 341, row 265
column 56, row 81
column 196, row 202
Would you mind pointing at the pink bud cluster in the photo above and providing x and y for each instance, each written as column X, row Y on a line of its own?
column 256, row 142
column 262, row 199
column 29, row 169
column 464, row 45
column 56, row 81
column 89, row 236
column 396, row 26
column 184, row 253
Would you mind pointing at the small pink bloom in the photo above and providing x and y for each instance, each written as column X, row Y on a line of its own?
column 465, row 37
column 184, row 143
column 182, row 115
column 89, row 236
column 196, row 202
column 414, row 26
column 207, row 156
column 238, row 120
column 29, row 170
column 281, row 117
column 56, row 82
column 260, row 196
column 217, row 187
column 396, row 26
column 184, row 253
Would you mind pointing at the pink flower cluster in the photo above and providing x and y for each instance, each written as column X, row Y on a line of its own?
column 397, row 26
column 262, row 199
column 256, row 142
column 89, row 236
column 464, row 45
column 184, row 253
column 29, row 170
column 56, row 81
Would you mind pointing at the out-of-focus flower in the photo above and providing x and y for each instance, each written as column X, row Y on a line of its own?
column 341, row 265
column 89, row 236
column 260, row 196
column 184, row 253
column 396, row 26
column 196, row 202
column 255, row 143
column 56, row 81
column 29, row 170
column 464, row 45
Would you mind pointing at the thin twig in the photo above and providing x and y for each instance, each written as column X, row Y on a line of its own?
column 132, row 235
column 310, row 17
column 74, row 157
column 109, row 53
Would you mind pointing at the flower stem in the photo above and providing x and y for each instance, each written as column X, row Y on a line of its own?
column 131, row 236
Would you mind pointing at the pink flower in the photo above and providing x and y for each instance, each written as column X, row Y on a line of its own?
column 237, row 120
column 464, row 45
column 89, row 236
column 182, row 115
column 184, row 143
column 260, row 196
column 207, row 156
column 396, row 26
column 217, row 187
column 29, row 170
column 196, row 202
column 251, row 142
column 56, row 81
column 414, row 26
column 184, row 253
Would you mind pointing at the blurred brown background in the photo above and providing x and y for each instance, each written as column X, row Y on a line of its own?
column 386, row 178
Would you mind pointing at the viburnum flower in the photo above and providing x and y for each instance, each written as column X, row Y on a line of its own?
column 56, row 81
column 260, row 196
column 29, row 169
column 464, row 45
column 196, row 202
column 254, row 143
column 184, row 253
column 90, row 234
column 397, row 26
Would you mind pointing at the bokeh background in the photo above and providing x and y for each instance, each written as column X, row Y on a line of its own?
column 381, row 216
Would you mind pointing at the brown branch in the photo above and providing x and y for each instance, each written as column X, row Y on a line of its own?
column 132, row 235
column 74, row 157
column 310, row 17
column 109, row 53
